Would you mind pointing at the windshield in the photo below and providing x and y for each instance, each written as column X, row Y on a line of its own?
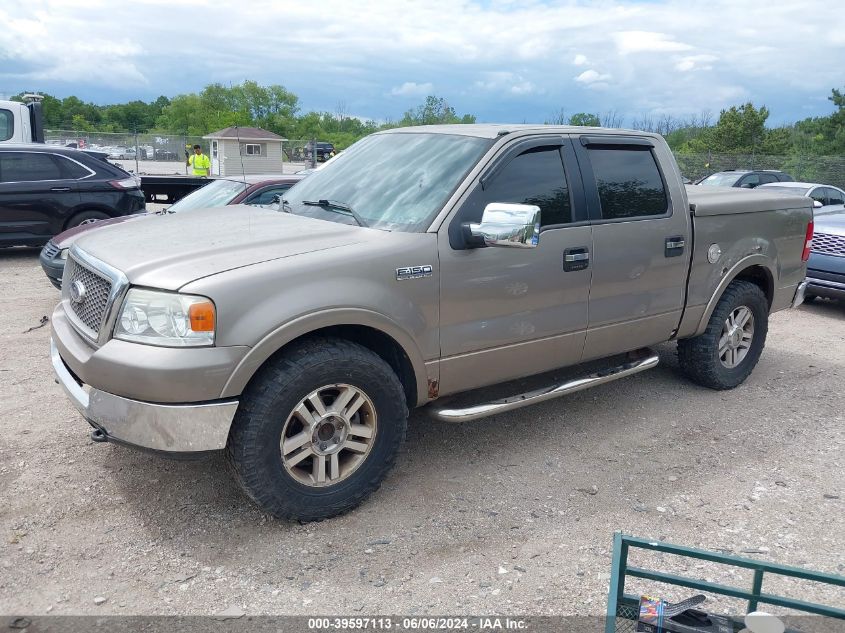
column 720, row 180
column 797, row 191
column 395, row 182
column 217, row 193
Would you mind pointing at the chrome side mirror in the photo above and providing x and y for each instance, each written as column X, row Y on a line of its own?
column 817, row 204
column 503, row 224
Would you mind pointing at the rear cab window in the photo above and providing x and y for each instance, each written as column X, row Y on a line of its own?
column 628, row 182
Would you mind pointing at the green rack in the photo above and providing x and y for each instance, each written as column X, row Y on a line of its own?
column 625, row 607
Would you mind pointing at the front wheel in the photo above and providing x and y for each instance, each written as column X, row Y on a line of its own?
column 317, row 430
column 728, row 350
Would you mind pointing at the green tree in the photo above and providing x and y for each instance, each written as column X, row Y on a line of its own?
column 585, row 119
column 739, row 130
column 435, row 111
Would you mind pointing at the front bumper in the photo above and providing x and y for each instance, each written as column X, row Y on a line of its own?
column 54, row 268
column 825, row 288
column 177, row 428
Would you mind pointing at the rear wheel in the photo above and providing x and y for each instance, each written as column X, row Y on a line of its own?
column 317, row 430
column 85, row 217
column 728, row 350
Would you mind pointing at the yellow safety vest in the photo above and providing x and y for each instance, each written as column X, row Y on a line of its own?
column 201, row 164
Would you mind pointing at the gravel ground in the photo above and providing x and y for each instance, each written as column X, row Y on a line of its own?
column 512, row 515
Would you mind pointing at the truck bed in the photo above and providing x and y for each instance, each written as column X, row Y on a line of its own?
column 706, row 201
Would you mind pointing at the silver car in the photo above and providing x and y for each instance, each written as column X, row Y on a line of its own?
column 831, row 198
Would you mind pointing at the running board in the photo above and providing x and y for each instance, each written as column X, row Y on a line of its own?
column 641, row 360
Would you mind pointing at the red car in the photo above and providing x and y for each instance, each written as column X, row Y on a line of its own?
column 253, row 190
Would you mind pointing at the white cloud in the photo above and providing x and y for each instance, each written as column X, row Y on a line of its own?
column 657, row 58
column 410, row 89
column 506, row 82
column 591, row 76
column 695, row 62
column 647, row 42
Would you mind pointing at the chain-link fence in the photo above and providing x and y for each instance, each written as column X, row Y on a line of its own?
column 828, row 170
column 165, row 154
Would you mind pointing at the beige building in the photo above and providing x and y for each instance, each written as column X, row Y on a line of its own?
column 248, row 150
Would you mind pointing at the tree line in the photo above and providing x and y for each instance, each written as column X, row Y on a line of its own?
column 739, row 129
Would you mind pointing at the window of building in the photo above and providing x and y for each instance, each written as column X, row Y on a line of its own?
column 252, row 149
column 628, row 182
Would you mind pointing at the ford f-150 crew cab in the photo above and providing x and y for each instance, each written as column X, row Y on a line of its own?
column 421, row 263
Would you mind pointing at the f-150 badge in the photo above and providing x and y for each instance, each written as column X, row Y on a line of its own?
column 413, row 272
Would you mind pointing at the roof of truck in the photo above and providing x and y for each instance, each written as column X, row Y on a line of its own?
column 493, row 130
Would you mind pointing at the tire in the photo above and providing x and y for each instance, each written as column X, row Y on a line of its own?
column 86, row 217
column 699, row 357
column 271, row 405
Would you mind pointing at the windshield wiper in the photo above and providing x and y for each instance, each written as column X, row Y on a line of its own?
column 334, row 205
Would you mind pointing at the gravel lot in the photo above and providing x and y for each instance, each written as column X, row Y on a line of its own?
column 513, row 515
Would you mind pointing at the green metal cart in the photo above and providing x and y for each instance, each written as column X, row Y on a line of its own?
column 623, row 609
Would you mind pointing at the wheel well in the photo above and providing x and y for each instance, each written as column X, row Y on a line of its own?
column 85, row 210
column 378, row 342
column 761, row 277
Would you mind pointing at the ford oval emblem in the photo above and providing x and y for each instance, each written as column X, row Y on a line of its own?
column 77, row 291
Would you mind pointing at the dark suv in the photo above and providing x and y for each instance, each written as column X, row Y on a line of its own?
column 747, row 179
column 324, row 151
column 45, row 190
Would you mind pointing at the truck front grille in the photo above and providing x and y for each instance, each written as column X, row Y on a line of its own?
column 92, row 308
column 828, row 244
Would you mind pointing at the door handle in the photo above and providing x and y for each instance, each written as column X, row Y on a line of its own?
column 60, row 189
column 674, row 246
column 577, row 258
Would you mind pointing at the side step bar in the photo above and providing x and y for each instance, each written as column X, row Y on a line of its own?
column 639, row 361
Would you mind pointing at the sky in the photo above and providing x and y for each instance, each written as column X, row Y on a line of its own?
column 504, row 61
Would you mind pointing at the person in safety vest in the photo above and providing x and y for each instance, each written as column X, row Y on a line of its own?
column 200, row 162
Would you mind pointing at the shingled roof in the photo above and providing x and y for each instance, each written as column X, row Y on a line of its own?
column 245, row 134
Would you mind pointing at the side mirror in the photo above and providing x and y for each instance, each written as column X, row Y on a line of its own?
column 746, row 185
column 817, row 204
column 502, row 224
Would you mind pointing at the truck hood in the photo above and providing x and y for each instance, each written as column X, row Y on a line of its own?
column 170, row 250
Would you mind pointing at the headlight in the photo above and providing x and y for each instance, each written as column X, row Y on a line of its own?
column 166, row 318
column 63, row 253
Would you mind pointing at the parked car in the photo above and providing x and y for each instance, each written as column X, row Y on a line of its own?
column 252, row 190
column 746, row 179
column 324, row 151
column 298, row 341
column 831, row 199
column 826, row 267
column 45, row 190
column 122, row 153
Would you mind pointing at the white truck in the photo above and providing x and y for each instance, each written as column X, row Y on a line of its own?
column 22, row 122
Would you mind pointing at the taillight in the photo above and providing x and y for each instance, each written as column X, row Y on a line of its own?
column 808, row 242
column 127, row 183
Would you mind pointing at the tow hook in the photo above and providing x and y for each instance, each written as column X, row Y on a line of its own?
column 97, row 435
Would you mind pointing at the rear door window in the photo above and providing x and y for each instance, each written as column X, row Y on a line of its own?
column 71, row 169
column 629, row 183
column 834, row 196
column 766, row 178
column 28, row 167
